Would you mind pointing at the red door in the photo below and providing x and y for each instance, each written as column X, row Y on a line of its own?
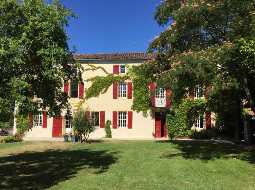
column 160, row 125
column 57, row 127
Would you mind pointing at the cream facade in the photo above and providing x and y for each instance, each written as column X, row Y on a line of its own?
column 126, row 124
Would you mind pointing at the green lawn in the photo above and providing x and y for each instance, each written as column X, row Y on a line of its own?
column 126, row 165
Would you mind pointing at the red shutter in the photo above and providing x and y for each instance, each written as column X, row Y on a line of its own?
column 168, row 98
column 44, row 119
column 116, row 69
column 66, row 87
column 208, row 120
column 102, row 119
column 152, row 90
column 81, row 90
column 114, row 119
column 130, row 89
column 130, row 119
column 115, row 90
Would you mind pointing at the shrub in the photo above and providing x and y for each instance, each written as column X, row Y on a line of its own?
column 82, row 125
column 204, row 134
column 108, row 129
column 22, row 124
column 11, row 139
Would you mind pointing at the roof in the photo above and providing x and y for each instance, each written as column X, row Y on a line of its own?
column 115, row 56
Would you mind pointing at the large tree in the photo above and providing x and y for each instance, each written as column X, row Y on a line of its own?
column 34, row 55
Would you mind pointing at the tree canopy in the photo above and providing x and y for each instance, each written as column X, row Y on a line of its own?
column 34, row 55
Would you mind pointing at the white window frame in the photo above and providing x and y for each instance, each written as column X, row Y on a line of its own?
column 38, row 120
column 121, row 66
column 122, row 90
column 122, row 119
column 92, row 114
column 160, row 93
column 198, row 121
column 68, row 122
column 199, row 92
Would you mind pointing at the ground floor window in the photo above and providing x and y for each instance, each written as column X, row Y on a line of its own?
column 122, row 120
column 200, row 121
column 95, row 119
column 37, row 120
column 68, row 123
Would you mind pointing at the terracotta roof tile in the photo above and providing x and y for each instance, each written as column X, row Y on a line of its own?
column 116, row 56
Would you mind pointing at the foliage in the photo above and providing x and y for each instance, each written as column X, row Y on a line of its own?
column 34, row 55
column 183, row 116
column 11, row 139
column 108, row 129
column 82, row 125
column 22, row 124
column 204, row 134
column 100, row 84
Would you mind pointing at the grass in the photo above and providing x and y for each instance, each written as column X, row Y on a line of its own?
column 126, row 165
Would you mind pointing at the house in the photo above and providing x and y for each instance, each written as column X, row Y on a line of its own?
column 114, row 105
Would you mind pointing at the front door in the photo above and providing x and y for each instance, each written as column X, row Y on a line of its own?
column 57, row 127
column 160, row 125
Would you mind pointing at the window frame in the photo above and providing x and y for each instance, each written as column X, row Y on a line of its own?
column 38, row 120
column 122, row 90
column 198, row 122
column 68, row 121
column 77, row 89
column 198, row 92
column 122, row 119
column 160, row 93
column 92, row 114
column 122, row 67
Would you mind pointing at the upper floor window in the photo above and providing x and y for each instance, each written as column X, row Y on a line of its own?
column 122, row 89
column 199, row 92
column 122, row 69
column 37, row 120
column 74, row 89
column 122, row 120
column 160, row 93
column 95, row 119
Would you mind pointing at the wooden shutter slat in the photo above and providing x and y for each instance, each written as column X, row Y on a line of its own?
column 130, row 89
column 168, row 98
column 66, row 87
column 114, row 119
column 208, row 120
column 130, row 120
column 102, row 119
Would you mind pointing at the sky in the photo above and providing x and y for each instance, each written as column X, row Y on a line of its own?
column 111, row 26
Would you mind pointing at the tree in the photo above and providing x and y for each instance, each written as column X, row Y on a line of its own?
column 34, row 55
column 82, row 125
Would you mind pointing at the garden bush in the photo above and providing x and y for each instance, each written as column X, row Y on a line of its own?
column 108, row 129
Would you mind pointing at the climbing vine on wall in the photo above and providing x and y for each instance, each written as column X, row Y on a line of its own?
column 183, row 115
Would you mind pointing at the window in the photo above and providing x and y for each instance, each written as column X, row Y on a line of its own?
column 200, row 121
column 160, row 93
column 199, row 92
column 122, row 120
column 122, row 89
column 37, row 120
column 95, row 118
column 69, row 119
column 122, row 69
column 74, row 89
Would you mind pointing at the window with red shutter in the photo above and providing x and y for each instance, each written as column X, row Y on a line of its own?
column 152, row 87
column 130, row 120
column 66, row 87
column 116, row 69
column 114, row 119
column 115, row 90
column 130, row 89
column 81, row 90
column 102, row 119
column 44, row 119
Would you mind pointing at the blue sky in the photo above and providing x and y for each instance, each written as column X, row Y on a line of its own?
column 105, row 26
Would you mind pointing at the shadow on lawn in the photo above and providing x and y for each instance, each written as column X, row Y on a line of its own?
column 40, row 170
column 211, row 150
